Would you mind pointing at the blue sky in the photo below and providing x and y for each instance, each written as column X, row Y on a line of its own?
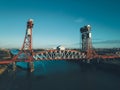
column 57, row 22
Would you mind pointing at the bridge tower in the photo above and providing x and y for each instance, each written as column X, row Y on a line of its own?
column 86, row 41
column 26, row 49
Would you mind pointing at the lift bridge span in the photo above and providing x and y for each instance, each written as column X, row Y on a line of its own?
column 59, row 55
column 26, row 54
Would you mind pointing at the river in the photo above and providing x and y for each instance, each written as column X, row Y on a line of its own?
column 59, row 75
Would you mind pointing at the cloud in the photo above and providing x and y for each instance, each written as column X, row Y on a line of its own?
column 104, row 44
column 79, row 20
column 108, row 42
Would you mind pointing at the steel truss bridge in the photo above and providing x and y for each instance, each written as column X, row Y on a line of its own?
column 59, row 55
column 29, row 56
column 50, row 55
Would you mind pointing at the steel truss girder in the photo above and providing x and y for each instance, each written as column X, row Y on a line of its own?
column 59, row 55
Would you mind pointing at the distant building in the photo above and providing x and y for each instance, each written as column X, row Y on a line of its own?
column 4, row 53
column 60, row 47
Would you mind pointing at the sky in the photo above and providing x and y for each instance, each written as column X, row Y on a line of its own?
column 58, row 22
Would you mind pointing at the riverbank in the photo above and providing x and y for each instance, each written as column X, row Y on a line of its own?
column 2, row 69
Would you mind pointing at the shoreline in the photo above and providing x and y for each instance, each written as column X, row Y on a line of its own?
column 3, row 69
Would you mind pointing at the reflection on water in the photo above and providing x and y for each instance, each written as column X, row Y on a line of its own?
column 51, row 67
column 59, row 75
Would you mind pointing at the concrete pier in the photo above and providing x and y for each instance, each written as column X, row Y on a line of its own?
column 14, row 66
column 88, row 61
column 31, row 66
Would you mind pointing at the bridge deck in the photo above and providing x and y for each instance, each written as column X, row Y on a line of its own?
column 6, row 61
column 59, row 55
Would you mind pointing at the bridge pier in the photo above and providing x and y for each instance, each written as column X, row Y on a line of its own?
column 31, row 66
column 98, row 60
column 88, row 60
column 14, row 66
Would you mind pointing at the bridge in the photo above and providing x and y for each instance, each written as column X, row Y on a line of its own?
column 26, row 54
column 59, row 55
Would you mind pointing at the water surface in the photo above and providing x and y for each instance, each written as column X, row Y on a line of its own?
column 59, row 75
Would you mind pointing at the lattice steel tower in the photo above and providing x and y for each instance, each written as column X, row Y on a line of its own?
column 26, row 49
